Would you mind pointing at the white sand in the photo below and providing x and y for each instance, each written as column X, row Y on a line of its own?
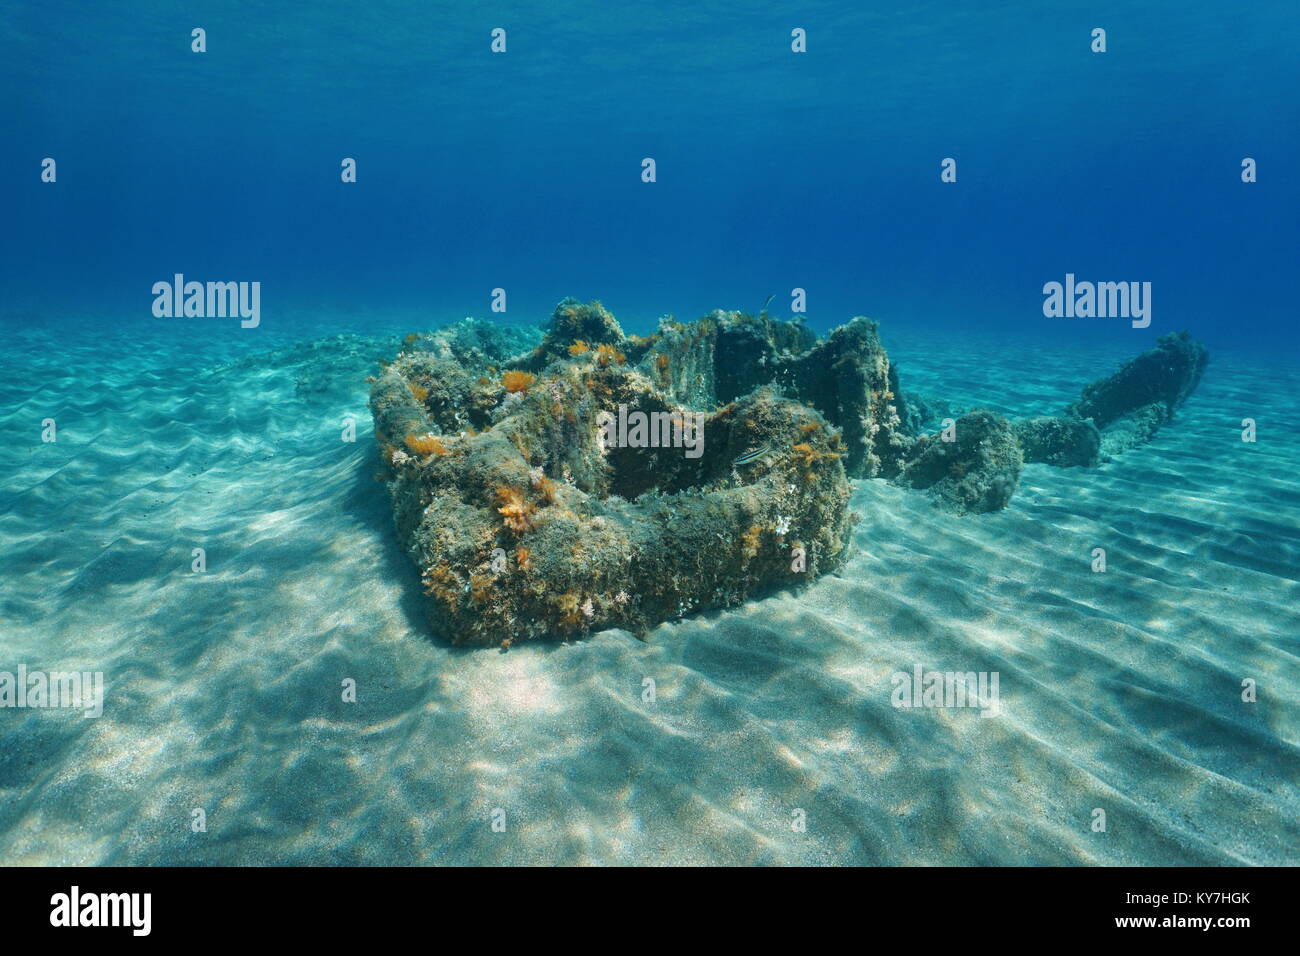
column 1119, row 691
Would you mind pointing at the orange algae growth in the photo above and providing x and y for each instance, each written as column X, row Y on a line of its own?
column 515, row 512
column 807, row 454
column 569, row 606
column 480, row 588
column 516, row 381
column 661, row 362
column 419, row 391
column 523, row 558
column 547, row 488
column 425, row 445
column 579, row 347
column 607, row 353
column 442, row 583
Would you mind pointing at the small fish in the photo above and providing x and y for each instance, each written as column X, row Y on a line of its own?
column 751, row 456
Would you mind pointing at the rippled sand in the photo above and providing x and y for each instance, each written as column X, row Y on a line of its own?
column 1119, row 691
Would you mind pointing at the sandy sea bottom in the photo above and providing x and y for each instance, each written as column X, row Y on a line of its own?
column 1119, row 690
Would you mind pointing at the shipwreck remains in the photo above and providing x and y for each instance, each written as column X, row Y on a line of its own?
column 525, row 522
column 547, row 484
column 1120, row 411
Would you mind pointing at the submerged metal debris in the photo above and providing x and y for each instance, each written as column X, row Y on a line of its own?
column 531, row 514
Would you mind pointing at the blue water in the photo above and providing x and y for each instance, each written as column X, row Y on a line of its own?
column 776, row 170
column 522, row 171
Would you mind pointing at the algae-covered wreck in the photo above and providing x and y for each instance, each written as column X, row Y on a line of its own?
column 530, row 516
